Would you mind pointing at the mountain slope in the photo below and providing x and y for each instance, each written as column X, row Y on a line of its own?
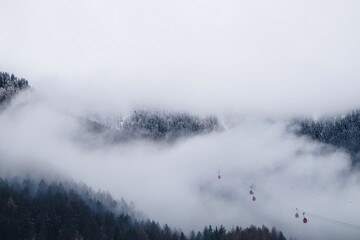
column 10, row 86
column 340, row 132
column 38, row 210
column 152, row 125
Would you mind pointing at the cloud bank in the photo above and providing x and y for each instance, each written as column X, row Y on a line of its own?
column 253, row 57
column 178, row 185
column 244, row 61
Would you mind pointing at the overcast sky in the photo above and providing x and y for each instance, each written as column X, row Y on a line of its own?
column 241, row 59
column 280, row 57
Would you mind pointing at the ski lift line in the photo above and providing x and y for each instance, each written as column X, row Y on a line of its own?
column 321, row 218
column 232, row 174
column 232, row 179
column 237, row 183
column 325, row 219
column 340, row 223
column 245, row 185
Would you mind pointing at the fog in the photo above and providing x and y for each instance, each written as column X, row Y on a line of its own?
column 253, row 57
column 177, row 183
column 253, row 64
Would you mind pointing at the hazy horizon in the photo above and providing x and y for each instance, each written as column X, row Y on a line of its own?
column 255, row 65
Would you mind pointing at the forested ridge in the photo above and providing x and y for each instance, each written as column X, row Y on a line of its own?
column 152, row 125
column 341, row 132
column 10, row 86
column 40, row 210
column 140, row 124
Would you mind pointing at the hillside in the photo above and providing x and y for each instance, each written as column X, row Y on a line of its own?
column 10, row 86
column 141, row 124
column 152, row 125
column 40, row 210
column 340, row 132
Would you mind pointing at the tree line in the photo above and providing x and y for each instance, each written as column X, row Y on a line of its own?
column 10, row 86
column 39, row 210
column 341, row 132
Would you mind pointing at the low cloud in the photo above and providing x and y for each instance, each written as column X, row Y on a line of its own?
column 256, row 58
column 178, row 185
column 245, row 62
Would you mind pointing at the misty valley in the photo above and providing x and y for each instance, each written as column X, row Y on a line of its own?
column 190, row 177
column 191, row 119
